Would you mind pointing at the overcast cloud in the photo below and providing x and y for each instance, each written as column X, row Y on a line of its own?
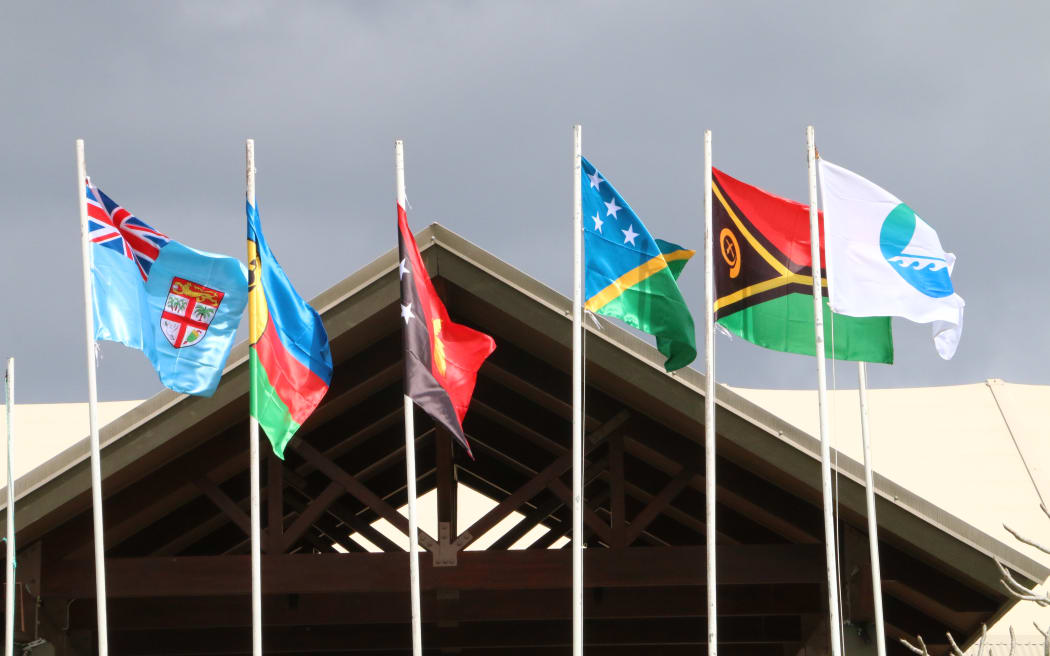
column 945, row 104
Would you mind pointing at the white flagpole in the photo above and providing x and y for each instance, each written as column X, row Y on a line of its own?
column 9, row 609
column 253, row 447
column 410, row 453
column 873, row 525
column 96, row 457
column 822, row 403
column 577, row 395
column 709, row 405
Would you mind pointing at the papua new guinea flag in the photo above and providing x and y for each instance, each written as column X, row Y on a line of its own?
column 178, row 305
column 442, row 358
column 291, row 365
column 631, row 276
column 764, row 278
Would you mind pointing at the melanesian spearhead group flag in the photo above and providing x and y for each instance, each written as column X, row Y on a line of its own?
column 178, row 305
column 441, row 358
column 764, row 278
column 290, row 361
column 884, row 259
column 631, row 276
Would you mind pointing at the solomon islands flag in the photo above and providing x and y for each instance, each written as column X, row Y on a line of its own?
column 291, row 365
column 631, row 276
column 178, row 305
column 442, row 358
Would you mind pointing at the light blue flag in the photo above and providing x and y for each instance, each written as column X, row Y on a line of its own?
column 179, row 306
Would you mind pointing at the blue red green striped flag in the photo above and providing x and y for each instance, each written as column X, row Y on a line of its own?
column 291, row 365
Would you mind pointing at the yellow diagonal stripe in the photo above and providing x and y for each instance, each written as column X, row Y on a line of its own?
column 766, row 255
column 633, row 277
column 765, row 286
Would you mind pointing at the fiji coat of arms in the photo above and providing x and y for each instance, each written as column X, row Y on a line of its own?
column 188, row 311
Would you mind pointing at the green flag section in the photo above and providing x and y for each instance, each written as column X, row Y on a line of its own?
column 631, row 276
column 764, row 278
column 785, row 323
column 655, row 305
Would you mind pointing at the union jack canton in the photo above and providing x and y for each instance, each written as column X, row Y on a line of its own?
column 114, row 227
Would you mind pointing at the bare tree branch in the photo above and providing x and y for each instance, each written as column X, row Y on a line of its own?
column 1029, row 541
column 1019, row 591
column 913, row 648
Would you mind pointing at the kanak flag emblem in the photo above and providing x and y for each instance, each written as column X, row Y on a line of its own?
column 188, row 311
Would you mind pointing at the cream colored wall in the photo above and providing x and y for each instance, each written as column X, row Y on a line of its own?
column 953, row 447
column 44, row 429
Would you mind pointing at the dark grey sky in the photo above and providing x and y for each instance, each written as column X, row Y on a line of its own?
column 945, row 104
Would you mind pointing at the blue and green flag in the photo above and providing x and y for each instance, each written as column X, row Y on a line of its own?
column 631, row 276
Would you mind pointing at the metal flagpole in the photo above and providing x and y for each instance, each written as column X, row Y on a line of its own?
column 822, row 403
column 873, row 526
column 96, row 457
column 9, row 608
column 253, row 437
column 709, row 405
column 577, row 395
column 410, row 453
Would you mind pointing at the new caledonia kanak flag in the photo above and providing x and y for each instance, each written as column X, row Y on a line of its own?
column 441, row 358
column 630, row 275
column 764, row 278
column 291, row 365
column 178, row 305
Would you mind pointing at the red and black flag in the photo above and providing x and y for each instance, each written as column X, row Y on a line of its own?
column 442, row 358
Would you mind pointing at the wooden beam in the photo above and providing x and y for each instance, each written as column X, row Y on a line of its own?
column 590, row 518
column 740, row 500
column 275, row 501
column 470, row 606
column 446, row 482
column 617, row 497
column 227, row 505
column 310, row 514
column 537, row 483
column 658, row 504
column 564, row 526
column 477, row 570
column 648, row 634
column 342, row 514
column 360, row 491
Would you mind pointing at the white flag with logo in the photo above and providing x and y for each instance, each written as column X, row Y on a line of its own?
column 883, row 260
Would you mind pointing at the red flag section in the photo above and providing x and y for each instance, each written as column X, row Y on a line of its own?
column 783, row 222
column 442, row 358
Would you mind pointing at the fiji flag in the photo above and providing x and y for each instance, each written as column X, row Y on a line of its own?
column 630, row 275
column 178, row 305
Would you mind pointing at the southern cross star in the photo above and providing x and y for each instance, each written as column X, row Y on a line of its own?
column 596, row 180
column 402, row 269
column 629, row 234
column 406, row 312
column 611, row 208
column 597, row 222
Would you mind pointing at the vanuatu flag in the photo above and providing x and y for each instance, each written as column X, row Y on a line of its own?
column 764, row 278
column 630, row 275
column 442, row 358
column 291, row 365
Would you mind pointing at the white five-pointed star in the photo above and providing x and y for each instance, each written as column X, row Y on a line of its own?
column 597, row 222
column 629, row 234
column 611, row 208
column 596, row 180
column 403, row 269
column 406, row 312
